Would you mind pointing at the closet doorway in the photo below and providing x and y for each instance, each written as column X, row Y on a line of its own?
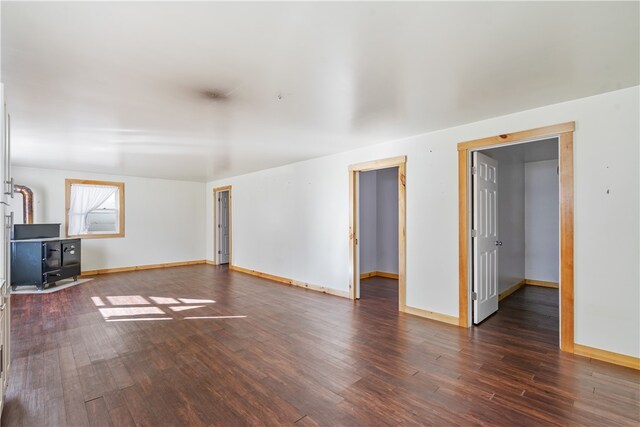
column 470, row 237
column 355, row 171
column 222, row 236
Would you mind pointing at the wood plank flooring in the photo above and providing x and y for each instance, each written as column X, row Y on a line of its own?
column 202, row 345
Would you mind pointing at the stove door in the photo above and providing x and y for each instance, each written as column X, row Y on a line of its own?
column 71, row 253
column 51, row 257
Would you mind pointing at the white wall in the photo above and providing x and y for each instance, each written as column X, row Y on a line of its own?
column 542, row 221
column 387, row 227
column 164, row 219
column 368, row 233
column 304, row 207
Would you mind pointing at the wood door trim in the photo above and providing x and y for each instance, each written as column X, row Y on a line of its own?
column 564, row 131
column 522, row 136
column 215, row 224
column 400, row 163
column 463, row 241
column 390, row 162
column 566, row 243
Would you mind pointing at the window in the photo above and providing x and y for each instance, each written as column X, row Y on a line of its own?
column 94, row 208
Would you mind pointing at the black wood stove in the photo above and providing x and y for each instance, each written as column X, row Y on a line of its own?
column 39, row 257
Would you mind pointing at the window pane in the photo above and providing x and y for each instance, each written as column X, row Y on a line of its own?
column 102, row 221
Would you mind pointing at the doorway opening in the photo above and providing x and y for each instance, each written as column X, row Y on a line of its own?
column 516, row 236
column 222, row 231
column 481, row 242
column 378, row 236
column 392, row 173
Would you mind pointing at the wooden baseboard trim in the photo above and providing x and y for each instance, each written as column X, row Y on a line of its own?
column 273, row 277
column 529, row 282
column 511, row 290
column 388, row 275
column 607, row 356
column 290, row 282
column 208, row 261
column 380, row 274
column 445, row 318
column 140, row 267
column 542, row 283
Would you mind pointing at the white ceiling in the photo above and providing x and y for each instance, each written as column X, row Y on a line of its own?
column 198, row 91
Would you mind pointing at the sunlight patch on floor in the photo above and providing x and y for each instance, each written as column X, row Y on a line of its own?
column 128, row 300
column 164, row 300
column 97, row 301
column 185, row 307
column 139, row 319
column 134, row 308
column 129, row 311
column 214, row 317
column 196, row 301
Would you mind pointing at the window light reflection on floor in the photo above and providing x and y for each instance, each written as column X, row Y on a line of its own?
column 185, row 307
column 129, row 311
column 196, row 301
column 128, row 300
column 97, row 301
column 138, row 319
column 164, row 300
column 214, row 317
column 138, row 308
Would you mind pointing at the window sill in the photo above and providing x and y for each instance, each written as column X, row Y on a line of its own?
column 96, row 236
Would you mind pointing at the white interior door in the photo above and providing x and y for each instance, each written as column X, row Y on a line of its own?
column 485, row 236
column 3, row 356
column 223, row 227
column 357, row 236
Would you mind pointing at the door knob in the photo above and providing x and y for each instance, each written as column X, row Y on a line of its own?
column 498, row 243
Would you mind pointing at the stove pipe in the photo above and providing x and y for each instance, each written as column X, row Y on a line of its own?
column 27, row 202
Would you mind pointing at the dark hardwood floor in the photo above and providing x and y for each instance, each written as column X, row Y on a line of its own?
column 201, row 345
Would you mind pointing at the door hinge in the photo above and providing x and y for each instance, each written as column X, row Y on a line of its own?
column 219, row 252
column 474, row 233
column 218, row 225
column 474, row 170
column 474, row 296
